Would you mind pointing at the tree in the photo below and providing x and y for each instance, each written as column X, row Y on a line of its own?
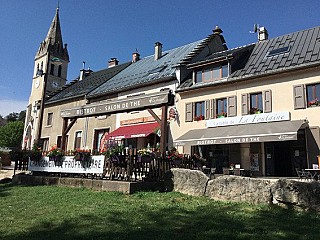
column 22, row 116
column 11, row 134
column 12, row 117
column 2, row 121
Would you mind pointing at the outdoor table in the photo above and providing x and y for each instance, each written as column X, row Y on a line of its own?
column 315, row 173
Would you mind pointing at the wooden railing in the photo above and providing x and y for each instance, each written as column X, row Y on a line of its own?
column 129, row 166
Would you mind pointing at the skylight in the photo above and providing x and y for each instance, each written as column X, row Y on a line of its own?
column 278, row 51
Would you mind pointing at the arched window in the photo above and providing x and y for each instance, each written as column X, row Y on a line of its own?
column 41, row 66
column 59, row 71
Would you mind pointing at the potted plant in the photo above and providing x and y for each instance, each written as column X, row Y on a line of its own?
column 255, row 110
column 82, row 154
column 221, row 115
column 35, row 154
column 55, row 154
column 113, row 151
column 199, row 118
column 314, row 102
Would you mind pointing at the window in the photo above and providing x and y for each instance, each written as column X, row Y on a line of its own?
column 59, row 71
column 198, row 77
column 199, row 111
column 49, row 119
column 59, row 140
column 45, row 144
column 77, row 140
column 98, row 134
column 313, row 95
column 221, row 109
column 256, row 103
column 278, row 51
column 211, row 108
column 211, row 73
column 52, row 69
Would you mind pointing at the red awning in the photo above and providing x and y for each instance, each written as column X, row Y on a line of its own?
column 133, row 131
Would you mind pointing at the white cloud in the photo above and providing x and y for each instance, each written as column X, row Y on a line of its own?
column 8, row 106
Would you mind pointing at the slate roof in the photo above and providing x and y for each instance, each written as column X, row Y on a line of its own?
column 237, row 58
column 149, row 71
column 303, row 51
column 81, row 88
column 285, row 53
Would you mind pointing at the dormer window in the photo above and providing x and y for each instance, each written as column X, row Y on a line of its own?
column 212, row 73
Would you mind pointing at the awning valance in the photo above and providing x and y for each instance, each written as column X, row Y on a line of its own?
column 133, row 131
column 259, row 132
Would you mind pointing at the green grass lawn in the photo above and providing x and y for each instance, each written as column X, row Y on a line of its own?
column 51, row 212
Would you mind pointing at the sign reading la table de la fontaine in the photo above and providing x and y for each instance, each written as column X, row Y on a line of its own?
column 119, row 105
column 68, row 165
column 248, row 119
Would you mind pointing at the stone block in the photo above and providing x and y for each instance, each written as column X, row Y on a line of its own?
column 297, row 194
column 191, row 182
column 236, row 188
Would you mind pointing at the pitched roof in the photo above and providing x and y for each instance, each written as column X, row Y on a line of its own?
column 78, row 88
column 287, row 52
column 145, row 71
column 149, row 71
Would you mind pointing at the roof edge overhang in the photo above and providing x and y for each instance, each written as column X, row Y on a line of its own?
column 249, row 77
column 99, row 95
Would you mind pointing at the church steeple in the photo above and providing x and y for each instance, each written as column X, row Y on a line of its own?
column 53, row 41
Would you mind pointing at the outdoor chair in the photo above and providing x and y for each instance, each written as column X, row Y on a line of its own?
column 226, row 171
column 302, row 174
column 237, row 171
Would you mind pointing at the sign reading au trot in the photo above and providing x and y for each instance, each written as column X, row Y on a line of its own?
column 118, row 105
column 68, row 165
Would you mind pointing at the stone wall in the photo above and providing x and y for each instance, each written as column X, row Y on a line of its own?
column 284, row 192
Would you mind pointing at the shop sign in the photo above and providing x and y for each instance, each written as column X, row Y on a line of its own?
column 119, row 105
column 68, row 165
column 231, row 140
column 249, row 119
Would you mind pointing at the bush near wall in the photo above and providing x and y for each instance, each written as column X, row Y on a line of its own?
column 5, row 158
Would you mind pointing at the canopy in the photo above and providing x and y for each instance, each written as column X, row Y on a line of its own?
column 134, row 131
column 258, row 132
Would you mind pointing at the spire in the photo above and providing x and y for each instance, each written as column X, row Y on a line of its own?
column 54, row 34
column 53, row 41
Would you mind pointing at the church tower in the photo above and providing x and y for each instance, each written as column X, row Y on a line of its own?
column 50, row 74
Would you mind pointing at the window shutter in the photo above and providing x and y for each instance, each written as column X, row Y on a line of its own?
column 267, row 100
column 189, row 112
column 212, row 108
column 207, row 109
column 299, row 97
column 232, row 106
column 245, row 103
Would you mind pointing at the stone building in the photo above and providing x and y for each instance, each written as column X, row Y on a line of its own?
column 127, row 102
column 256, row 105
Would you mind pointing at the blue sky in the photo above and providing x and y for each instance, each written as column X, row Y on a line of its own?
column 97, row 30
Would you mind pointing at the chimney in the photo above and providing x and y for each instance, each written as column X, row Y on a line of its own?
column 113, row 62
column 157, row 50
column 217, row 30
column 135, row 56
column 82, row 71
column 262, row 34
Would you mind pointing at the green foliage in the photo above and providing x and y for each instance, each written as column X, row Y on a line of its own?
column 12, row 117
column 11, row 134
column 51, row 212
